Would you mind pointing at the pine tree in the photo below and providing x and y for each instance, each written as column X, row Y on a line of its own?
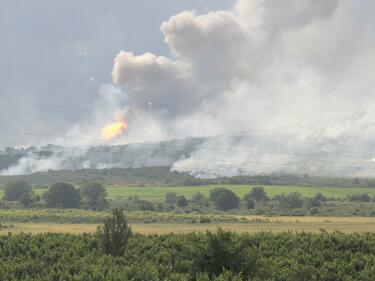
column 115, row 233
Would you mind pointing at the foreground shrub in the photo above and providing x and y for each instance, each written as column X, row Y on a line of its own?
column 223, row 252
column 114, row 234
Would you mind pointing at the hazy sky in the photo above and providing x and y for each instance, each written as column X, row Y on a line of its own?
column 55, row 54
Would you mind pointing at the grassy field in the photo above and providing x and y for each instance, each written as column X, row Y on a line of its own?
column 278, row 224
column 157, row 193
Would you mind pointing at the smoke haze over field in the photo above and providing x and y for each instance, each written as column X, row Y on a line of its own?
column 296, row 73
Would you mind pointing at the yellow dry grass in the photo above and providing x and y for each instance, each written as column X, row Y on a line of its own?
column 274, row 224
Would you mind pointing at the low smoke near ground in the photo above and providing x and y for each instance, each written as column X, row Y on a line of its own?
column 277, row 86
column 220, row 156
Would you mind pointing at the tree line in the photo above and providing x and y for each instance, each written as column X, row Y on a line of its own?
column 59, row 195
column 94, row 196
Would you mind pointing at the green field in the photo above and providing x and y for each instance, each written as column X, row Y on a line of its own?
column 157, row 193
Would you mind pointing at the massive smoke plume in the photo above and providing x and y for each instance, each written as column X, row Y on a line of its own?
column 296, row 73
column 298, row 69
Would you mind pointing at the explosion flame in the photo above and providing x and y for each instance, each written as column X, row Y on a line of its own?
column 116, row 129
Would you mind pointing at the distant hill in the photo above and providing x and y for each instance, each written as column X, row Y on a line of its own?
column 31, row 160
column 130, row 176
column 224, row 156
column 164, row 176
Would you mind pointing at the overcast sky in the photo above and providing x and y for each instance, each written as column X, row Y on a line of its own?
column 230, row 66
column 55, row 54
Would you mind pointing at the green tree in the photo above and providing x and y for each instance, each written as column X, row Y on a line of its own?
column 18, row 190
column 364, row 197
column 258, row 194
column 171, row 198
column 317, row 200
column 224, row 199
column 292, row 200
column 114, row 234
column 249, row 202
column 182, row 201
column 62, row 195
column 222, row 252
column 94, row 196
column 198, row 198
column 134, row 203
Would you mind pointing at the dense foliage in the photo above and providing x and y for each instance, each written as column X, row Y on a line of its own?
column 86, row 216
column 62, row 195
column 215, row 256
column 164, row 176
column 114, row 234
column 224, row 199
column 94, row 196
column 220, row 199
column 18, row 191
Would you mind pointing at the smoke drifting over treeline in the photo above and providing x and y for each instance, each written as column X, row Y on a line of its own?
column 294, row 77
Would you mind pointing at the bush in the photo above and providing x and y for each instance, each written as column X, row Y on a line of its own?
column 317, row 200
column 198, row 198
column 364, row 197
column 224, row 199
column 182, row 201
column 134, row 203
column 171, row 198
column 291, row 201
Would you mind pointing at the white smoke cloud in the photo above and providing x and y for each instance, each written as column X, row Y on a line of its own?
column 220, row 51
column 292, row 67
column 295, row 72
column 274, row 17
column 212, row 44
column 32, row 163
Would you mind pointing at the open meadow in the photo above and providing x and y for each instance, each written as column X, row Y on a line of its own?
column 157, row 193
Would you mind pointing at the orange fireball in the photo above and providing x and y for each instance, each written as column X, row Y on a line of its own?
column 114, row 130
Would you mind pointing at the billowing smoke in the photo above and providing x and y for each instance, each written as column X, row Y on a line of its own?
column 298, row 70
column 295, row 76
